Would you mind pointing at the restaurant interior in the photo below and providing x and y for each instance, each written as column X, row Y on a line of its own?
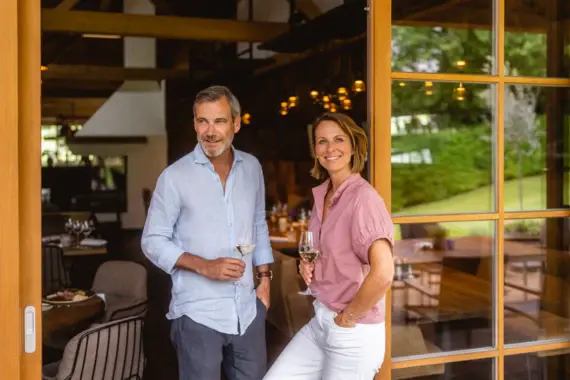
column 466, row 107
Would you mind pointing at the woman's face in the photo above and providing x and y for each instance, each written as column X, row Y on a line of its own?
column 332, row 147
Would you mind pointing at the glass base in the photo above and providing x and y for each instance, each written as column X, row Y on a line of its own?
column 308, row 292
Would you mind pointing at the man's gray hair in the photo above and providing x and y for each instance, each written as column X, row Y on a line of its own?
column 214, row 93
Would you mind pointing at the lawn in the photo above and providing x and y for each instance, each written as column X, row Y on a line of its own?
column 482, row 200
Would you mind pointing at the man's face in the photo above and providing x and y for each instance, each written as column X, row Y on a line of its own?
column 214, row 126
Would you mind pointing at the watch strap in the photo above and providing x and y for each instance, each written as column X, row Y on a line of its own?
column 268, row 274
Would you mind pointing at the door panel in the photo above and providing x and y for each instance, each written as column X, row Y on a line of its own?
column 9, row 242
column 29, row 169
column 19, row 184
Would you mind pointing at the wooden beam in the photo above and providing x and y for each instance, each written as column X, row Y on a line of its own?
column 71, row 107
column 108, row 73
column 185, row 28
column 66, row 5
column 308, row 8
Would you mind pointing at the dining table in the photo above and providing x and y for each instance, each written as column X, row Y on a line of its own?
column 73, row 316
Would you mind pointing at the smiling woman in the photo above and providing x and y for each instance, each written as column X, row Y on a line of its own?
column 336, row 141
column 346, row 337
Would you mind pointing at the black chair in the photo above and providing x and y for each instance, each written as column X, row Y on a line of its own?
column 110, row 351
column 55, row 275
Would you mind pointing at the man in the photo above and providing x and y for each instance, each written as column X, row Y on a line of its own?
column 201, row 206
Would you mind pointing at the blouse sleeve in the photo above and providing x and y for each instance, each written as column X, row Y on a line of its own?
column 370, row 222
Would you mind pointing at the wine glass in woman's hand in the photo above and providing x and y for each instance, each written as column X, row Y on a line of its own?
column 308, row 254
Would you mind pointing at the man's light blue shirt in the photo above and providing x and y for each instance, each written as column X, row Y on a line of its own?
column 190, row 212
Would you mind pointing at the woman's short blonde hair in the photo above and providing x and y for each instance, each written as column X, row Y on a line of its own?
column 358, row 139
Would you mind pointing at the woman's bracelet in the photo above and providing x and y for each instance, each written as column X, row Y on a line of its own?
column 350, row 315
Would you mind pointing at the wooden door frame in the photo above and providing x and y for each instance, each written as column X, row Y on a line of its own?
column 20, row 185
column 380, row 90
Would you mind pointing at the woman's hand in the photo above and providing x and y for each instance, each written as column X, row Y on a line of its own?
column 343, row 320
column 306, row 269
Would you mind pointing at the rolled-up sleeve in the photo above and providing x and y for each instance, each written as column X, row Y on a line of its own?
column 263, row 253
column 370, row 222
column 157, row 238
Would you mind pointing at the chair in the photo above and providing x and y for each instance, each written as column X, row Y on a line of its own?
column 124, row 284
column 289, row 311
column 54, row 274
column 110, row 351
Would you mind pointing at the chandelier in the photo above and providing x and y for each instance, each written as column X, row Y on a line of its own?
column 329, row 101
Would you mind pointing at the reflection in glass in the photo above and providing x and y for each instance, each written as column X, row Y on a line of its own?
column 447, row 302
column 442, row 148
column 535, row 42
column 442, row 37
column 537, row 279
column 536, row 146
column 482, row 369
column 543, row 365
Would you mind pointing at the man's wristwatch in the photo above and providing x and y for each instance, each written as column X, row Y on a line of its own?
column 268, row 274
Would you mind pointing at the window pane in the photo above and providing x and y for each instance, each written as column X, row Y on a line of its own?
column 535, row 41
column 442, row 148
column 537, row 279
column 442, row 295
column 442, row 36
column 482, row 369
column 536, row 147
column 543, row 365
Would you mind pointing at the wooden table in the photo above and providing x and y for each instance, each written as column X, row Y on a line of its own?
column 84, row 251
column 470, row 246
column 61, row 318
column 281, row 244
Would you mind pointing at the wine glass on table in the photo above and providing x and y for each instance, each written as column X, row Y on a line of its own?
column 77, row 228
column 246, row 243
column 309, row 254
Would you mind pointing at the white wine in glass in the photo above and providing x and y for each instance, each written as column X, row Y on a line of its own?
column 245, row 249
column 309, row 254
column 246, row 243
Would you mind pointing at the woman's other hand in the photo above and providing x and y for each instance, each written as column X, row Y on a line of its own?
column 306, row 269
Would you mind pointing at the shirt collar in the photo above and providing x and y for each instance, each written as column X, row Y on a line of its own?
column 320, row 192
column 201, row 158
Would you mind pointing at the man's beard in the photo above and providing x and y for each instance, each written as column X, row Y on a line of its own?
column 218, row 152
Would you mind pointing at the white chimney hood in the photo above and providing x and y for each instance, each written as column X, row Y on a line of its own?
column 137, row 107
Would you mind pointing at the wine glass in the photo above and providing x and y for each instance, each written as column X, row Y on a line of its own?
column 309, row 254
column 88, row 228
column 245, row 244
column 68, row 226
column 76, row 228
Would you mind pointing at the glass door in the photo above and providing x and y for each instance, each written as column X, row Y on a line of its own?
column 472, row 156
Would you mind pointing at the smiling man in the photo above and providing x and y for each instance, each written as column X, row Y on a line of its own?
column 202, row 206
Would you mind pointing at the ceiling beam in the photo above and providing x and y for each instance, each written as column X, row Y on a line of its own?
column 105, row 73
column 71, row 107
column 308, row 8
column 170, row 27
column 66, row 5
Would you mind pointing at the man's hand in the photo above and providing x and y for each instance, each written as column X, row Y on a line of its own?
column 222, row 269
column 263, row 291
column 306, row 269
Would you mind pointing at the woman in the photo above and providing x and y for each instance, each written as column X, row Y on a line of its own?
column 353, row 230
